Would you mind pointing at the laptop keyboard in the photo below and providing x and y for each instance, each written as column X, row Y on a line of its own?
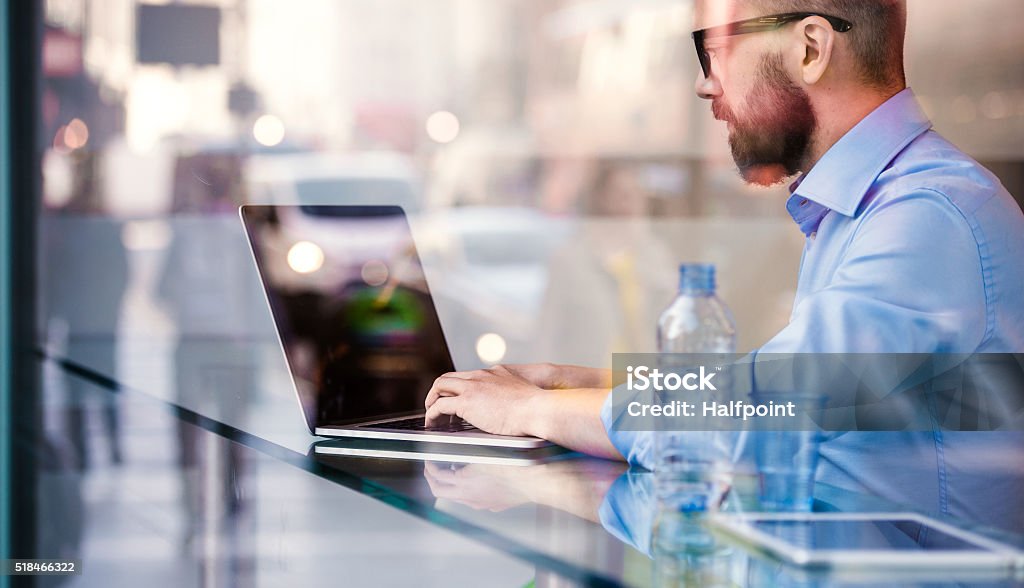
column 419, row 424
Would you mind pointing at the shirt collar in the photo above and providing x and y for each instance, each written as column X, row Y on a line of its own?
column 841, row 178
column 806, row 213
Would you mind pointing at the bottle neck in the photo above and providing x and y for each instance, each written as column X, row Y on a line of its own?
column 696, row 292
column 697, row 280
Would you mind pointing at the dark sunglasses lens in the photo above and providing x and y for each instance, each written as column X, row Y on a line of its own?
column 702, row 55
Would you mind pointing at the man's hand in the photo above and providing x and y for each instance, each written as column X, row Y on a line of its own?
column 537, row 400
column 577, row 486
column 478, row 486
column 495, row 400
column 551, row 376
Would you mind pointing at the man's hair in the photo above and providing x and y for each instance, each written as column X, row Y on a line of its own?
column 879, row 27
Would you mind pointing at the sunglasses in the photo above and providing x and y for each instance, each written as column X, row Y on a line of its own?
column 756, row 25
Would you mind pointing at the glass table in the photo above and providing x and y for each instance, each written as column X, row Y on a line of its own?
column 172, row 451
column 244, row 497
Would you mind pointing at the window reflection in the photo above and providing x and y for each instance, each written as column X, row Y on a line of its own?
column 550, row 154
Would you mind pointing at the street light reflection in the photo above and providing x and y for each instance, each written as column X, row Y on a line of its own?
column 443, row 126
column 491, row 348
column 305, row 257
column 76, row 134
column 268, row 130
column 374, row 272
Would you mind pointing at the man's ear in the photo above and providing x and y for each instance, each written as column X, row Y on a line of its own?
column 815, row 42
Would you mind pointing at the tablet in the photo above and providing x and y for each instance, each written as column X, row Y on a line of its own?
column 867, row 540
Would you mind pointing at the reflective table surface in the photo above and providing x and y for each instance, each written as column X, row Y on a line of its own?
column 217, row 503
column 173, row 451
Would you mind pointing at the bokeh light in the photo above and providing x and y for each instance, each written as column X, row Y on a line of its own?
column 443, row 126
column 268, row 130
column 305, row 257
column 76, row 134
column 491, row 348
column 995, row 106
column 374, row 272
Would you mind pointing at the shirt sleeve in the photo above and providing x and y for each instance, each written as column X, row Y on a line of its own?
column 910, row 281
column 637, row 447
column 625, row 511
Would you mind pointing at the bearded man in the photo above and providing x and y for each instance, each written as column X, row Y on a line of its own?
column 911, row 247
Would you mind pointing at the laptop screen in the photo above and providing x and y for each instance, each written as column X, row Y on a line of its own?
column 352, row 308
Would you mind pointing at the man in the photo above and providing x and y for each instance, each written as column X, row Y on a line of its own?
column 911, row 247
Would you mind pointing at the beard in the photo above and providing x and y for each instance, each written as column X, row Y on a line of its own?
column 770, row 142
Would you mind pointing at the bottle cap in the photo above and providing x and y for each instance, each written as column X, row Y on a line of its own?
column 697, row 278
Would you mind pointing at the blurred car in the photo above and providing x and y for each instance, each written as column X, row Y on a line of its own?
column 489, row 272
column 382, row 178
column 492, row 166
column 320, row 248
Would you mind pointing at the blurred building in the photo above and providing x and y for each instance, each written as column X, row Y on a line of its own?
column 489, row 120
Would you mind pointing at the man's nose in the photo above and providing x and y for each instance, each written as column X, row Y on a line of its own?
column 707, row 88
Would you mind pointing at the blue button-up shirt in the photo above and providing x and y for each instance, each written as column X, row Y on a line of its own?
column 911, row 247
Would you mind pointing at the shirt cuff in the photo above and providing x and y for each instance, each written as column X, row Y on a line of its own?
column 637, row 447
column 627, row 510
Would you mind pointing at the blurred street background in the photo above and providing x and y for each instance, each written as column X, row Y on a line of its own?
column 554, row 161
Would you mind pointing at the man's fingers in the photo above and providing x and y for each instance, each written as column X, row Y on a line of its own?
column 442, row 475
column 470, row 375
column 456, row 383
column 439, row 476
column 431, row 468
column 445, row 405
column 538, row 374
column 446, row 385
column 433, row 394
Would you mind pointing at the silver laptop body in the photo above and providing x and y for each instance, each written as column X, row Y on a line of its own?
column 356, row 322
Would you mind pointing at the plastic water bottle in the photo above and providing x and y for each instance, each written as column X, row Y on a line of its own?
column 693, row 469
column 697, row 321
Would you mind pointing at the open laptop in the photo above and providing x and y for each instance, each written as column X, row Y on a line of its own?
column 355, row 319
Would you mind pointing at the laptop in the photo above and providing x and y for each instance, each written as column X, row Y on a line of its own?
column 355, row 319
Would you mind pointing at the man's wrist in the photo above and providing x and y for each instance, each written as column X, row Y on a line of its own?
column 537, row 414
column 588, row 377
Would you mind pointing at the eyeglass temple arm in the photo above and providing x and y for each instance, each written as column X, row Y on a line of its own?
column 766, row 23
